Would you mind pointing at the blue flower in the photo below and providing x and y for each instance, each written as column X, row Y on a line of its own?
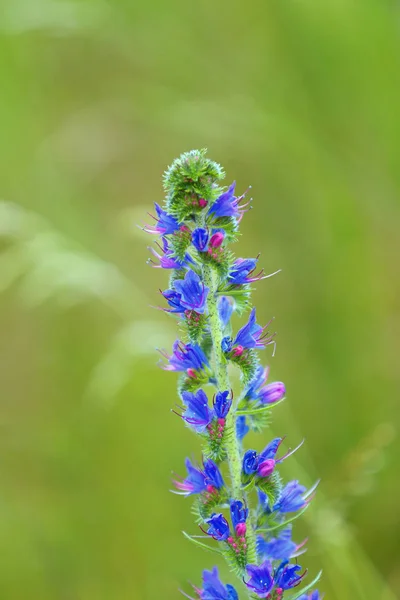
column 261, row 579
column 174, row 300
column 292, row 498
column 222, row 404
column 239, row 513
column 286, row 576
column 250, row 462
column 213, row 588
column 213, row 474
column 280, row 548
column 271, row 449
column 251, row 334
column 227, row 204
column 226, row 344
column 195, row 482
column 200, row 239
column 185, row 357
column 241, row 428
column 165, row 223
column 259, row 379
column 197, row 414
column 219, row 527
column 193, row 292
column 225, row 310
column 240, row 271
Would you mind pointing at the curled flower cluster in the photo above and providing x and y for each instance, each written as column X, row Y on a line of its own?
column 242, row 507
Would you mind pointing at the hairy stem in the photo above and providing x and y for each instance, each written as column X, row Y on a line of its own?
column 221, row 373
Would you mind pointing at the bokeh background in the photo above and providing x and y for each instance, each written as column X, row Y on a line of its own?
column 301, row 100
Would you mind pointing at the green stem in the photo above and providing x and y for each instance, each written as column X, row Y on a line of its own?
column 221, row 372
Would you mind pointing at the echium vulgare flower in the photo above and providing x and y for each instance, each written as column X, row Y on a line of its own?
column 243, row 509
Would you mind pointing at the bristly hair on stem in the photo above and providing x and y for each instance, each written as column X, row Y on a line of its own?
column 244, row 510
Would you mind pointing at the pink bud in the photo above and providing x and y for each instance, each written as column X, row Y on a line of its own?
column 240, row 529
column 191, row 373
column 184, row 228
column 216, row 239
column 238, row 351
column 266, row 468
column 221, row 421
column 210, row 488
column 202, row 202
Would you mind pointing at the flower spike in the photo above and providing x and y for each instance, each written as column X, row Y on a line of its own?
column 207, row 286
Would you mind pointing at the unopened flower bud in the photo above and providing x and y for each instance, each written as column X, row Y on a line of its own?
column 217, row 239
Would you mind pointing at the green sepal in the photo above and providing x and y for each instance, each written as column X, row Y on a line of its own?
column 240, row 293
column 180, row 242
column 305, row 589
column 247, row 362
column 247, row 482
column 271, row 486
column 196, row 325
column 201, row 544
column 228, row 224
column 219, row 259
column 191, row 384
column 191, row 178
column 203, row 507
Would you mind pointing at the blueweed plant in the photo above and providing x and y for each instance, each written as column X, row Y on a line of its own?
column 243, row 508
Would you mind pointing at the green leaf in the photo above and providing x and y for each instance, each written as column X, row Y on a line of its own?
column 307, row 588
column 201, row 544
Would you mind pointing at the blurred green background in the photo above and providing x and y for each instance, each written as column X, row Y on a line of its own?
column 301, row 100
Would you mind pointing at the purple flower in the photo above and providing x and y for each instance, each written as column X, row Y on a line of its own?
column 266, row 467
column 165, row 223
column 167, row 261
column 228, row 205
column 213, row 474
column 225, row 310
column 200, row 239
column 185, row 357
column 286, row 576
column 265, row 394
column 271, row 393
column 214, row 589
column 252, row 335
column 313, row 596
column 219, row 527
column 222, row 404
column 193, row 292
column 250, row 462
column 241, row 428
column 261, row 579
column 292, row 498
column 239, row 513
column 195, row 482
column 280, row 548
column 197, row 414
